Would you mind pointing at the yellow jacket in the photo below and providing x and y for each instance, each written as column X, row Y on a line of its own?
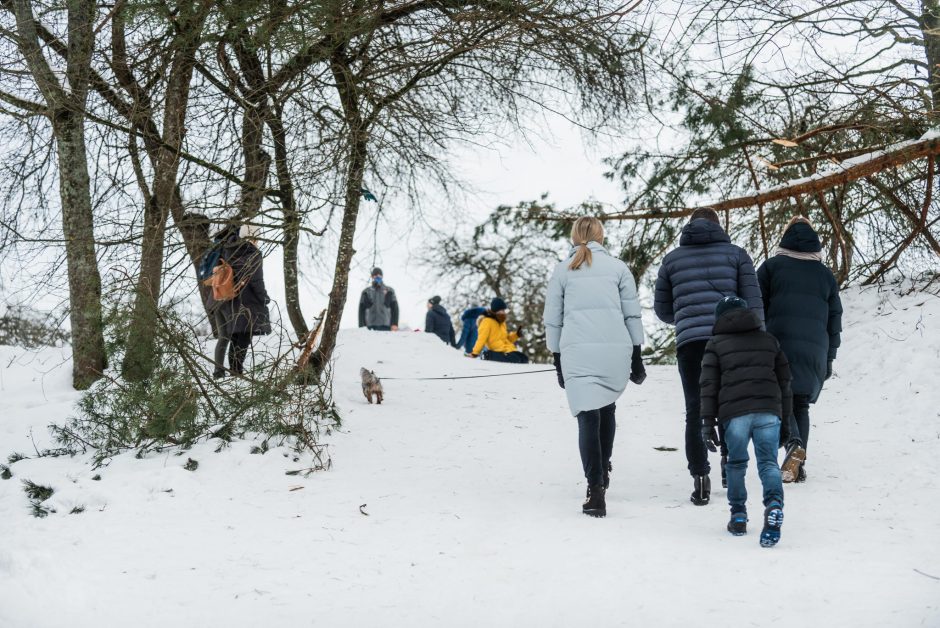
column 493, row 335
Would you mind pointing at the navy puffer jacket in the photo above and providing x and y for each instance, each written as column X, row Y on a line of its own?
column 804, row 311
column 694, row 277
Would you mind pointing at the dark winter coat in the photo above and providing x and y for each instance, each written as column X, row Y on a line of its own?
column 437, row 321
column 695, row 276
column 744, row 371
column 378, row 306
column 468, row 332
column 248, row 311
column 803, row 309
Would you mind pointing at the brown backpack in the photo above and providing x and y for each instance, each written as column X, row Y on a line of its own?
column 223, row 283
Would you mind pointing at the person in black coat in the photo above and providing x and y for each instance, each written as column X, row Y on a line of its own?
column 804, row 312
column 246, row 315
column 437, row 321
column 745, row 384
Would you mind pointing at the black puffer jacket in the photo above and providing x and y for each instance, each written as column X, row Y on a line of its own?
column 438, row 322
column 248, row 311
column 744, row 370
column 803, row 309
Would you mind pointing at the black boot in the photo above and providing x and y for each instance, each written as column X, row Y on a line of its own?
column 703, row 490
column 594, row 505
column 724, row 472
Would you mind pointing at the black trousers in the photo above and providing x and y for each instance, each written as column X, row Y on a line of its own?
column 236, row 345
column 513, row 357
column 799, row 420
column 689, row 356
column 596, row 429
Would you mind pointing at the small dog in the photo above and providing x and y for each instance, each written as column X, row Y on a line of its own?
column 371, row 385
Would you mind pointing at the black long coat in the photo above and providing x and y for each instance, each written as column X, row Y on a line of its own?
column 437, row 321
column 248, row 311
column 802, row 309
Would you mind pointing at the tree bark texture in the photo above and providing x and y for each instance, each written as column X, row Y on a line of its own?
column 66, row 110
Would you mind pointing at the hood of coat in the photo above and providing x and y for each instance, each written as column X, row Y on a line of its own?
column 737, row 321
column 439, row 309
column 802, row 238
column 701, row 231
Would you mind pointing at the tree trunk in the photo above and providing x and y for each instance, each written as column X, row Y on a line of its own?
column 88, row 352
column 353, row 197
column 140, row 356
column 291, row 224
column 930, row 30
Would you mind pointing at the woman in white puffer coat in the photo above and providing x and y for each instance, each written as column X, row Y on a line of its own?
column 593, row 328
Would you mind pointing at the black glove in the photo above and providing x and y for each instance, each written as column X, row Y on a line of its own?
column 637, row 370
column 556, row 359
column 828, row 370
column 710, row 434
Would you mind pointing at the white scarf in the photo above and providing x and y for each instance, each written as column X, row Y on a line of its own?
column 812, row 257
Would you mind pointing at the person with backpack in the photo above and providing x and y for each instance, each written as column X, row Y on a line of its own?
column 239, row 298
column 804, row 312
column 494, row 340
column 745, row 384
column 378, row 305
column 437, row 321
column 692, row 279
column 468, row 331
column 594, row 331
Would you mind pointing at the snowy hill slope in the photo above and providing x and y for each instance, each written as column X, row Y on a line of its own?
column 472, row 490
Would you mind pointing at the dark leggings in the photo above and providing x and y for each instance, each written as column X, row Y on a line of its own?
column 236, row 345
column 596, row 429
column 799, row 420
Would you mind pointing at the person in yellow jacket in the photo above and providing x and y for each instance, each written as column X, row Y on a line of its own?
column 494, row 341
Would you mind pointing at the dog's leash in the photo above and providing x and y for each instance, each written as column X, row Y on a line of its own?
column 415, row 379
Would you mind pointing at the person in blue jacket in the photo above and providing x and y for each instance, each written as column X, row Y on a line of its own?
column 804, row 312
column 437, row 321
column 468, row 333
column 692, row 280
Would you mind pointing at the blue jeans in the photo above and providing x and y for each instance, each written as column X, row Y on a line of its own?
column 764, row 430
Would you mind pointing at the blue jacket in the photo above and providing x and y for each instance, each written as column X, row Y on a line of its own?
column 804, row 312
column 468, row 335
column 695, row 276
column 437, row 321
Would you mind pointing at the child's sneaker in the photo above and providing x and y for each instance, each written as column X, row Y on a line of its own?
column 790, row 468
column 773, row 519
column 738, row 524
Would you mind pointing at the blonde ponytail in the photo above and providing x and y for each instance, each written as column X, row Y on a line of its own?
column 585, row 229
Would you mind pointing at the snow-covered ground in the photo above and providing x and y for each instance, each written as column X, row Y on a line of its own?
column 472, row 490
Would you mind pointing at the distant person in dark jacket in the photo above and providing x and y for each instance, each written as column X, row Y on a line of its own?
column 692, row 279
column 378, row 306
column 246, row 315
column 437, row 321
column 745, row 384
column 468, row 331
column 804, row 312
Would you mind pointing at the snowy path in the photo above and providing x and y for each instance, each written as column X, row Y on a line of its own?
column 473, row 491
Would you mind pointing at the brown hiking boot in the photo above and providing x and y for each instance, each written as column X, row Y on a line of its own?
column 790, row 468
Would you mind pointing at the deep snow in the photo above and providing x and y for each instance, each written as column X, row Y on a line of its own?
column 473, row 491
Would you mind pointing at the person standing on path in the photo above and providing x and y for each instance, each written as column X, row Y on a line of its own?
column 804, row 312
column 692, row 279
column 594, row 331
column 378, row 305
column 246, row 315
column 437, row 321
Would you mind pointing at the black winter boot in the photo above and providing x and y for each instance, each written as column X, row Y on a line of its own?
column 594, row 505
column 703, row 490
column 738, row 524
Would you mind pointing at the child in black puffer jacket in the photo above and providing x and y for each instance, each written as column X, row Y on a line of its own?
column 745, row 384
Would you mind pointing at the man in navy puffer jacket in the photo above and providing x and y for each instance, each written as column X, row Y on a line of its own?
column 692, row 279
